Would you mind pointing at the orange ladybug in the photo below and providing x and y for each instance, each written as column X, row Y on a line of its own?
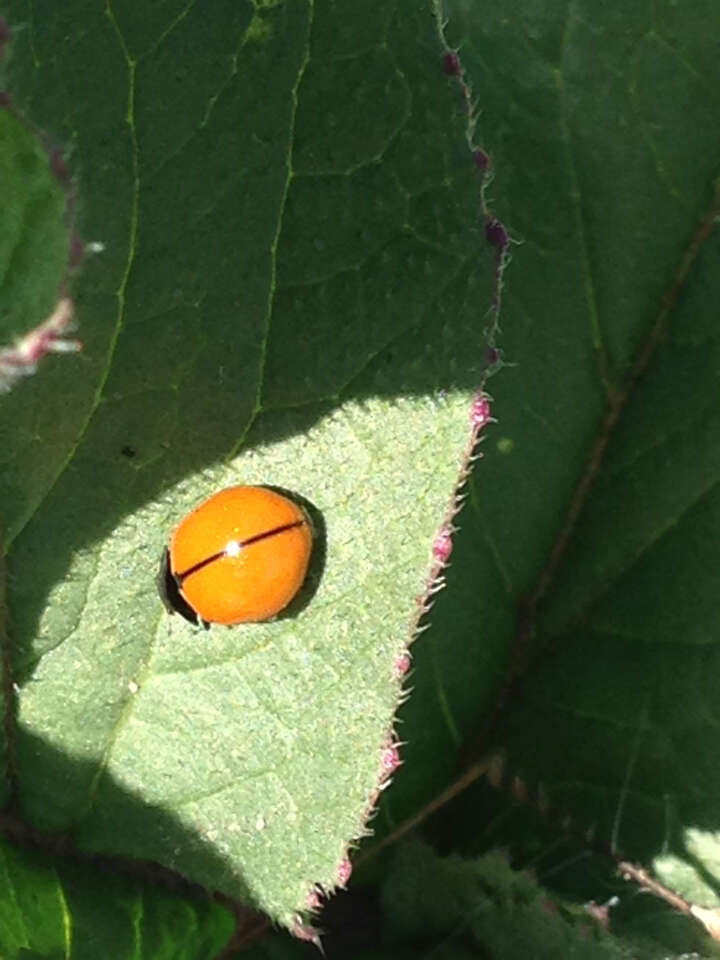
column 240, row 557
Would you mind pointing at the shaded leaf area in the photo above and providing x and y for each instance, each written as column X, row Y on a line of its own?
column 488, row 904
column 55, row 908
column 482, row 908
column 281, row 946
column 602, row 125
column 34, row 240
column 633, row 616
column 285, row 297
column 561, row 855
column 34, row 251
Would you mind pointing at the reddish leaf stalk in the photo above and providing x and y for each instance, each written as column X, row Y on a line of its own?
column 21, row 359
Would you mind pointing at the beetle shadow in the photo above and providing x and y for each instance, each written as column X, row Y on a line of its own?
column 168, row 590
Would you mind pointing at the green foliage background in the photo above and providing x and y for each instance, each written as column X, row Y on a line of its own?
column 294, row 288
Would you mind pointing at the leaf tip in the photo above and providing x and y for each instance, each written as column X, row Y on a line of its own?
column 306, row 932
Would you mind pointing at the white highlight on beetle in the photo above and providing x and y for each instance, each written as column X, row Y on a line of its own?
column 232, row 548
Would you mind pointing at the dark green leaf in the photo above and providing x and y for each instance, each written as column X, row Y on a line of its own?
column 52, row 909
column 588, row 564
column 292, row 291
